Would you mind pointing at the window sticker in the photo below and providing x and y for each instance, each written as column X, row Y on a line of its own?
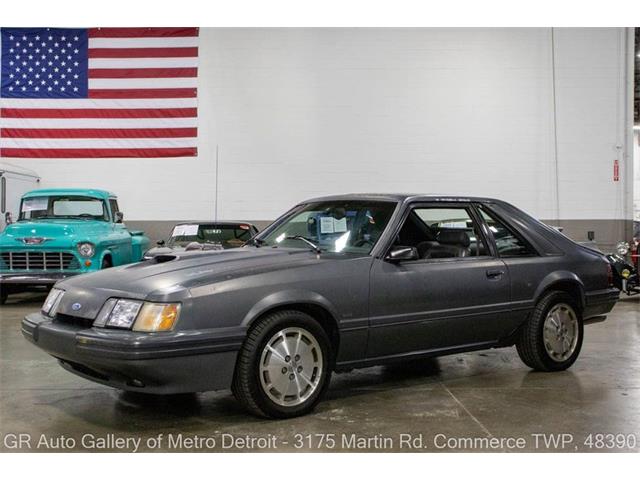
column 340, row 226
column 326, row 225
column 185, row 230
column 36, row 203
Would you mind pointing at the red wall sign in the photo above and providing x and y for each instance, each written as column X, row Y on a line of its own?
column 616, row 171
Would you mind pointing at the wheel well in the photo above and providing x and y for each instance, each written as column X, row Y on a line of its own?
column 321, row 314
column 572, row 288
column 107, row 257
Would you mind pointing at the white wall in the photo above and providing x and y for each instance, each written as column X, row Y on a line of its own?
column 636, row 174
column 302, row 112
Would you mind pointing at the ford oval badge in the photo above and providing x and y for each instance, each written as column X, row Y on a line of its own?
column 76, row 306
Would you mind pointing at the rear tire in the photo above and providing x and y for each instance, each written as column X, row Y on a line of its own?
column 551, row 339
column 284, row 366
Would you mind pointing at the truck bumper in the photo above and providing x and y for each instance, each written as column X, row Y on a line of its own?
column 33, row 279
column 160, row 363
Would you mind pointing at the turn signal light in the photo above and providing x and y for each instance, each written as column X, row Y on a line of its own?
column 157, row 317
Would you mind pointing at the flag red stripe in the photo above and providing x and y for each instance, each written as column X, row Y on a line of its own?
column 98, row 132
column 142, row 72
column 97, row 152
column 170, row 52
column 98, row 112
column 143, row 32
column 144, row 93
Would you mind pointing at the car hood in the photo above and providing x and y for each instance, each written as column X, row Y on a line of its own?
column 152, row 252
column 158, row 277
column 55, row 232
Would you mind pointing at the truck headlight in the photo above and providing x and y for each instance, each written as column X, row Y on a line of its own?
column 622, row 248
column 86, row 249
column 137, row 315
column 52, row 301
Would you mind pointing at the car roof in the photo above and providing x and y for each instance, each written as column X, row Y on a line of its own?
column 403, row 197
column 87, row 192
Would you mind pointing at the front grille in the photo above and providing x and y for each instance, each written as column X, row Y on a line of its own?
column 71, row 320
column 43, row 261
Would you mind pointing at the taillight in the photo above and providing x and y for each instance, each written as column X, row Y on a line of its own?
column 609, row 274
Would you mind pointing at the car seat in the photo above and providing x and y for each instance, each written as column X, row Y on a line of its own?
column 451, row 243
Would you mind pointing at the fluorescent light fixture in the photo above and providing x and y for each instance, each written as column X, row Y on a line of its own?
column 636, row 127
column 281, row 237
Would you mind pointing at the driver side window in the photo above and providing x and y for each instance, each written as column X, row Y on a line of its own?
column 442, row 232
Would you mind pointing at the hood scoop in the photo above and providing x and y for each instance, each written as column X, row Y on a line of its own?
column 163, row 258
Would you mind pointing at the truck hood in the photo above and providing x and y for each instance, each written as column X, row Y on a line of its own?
column 55, row 232
column 157, row 278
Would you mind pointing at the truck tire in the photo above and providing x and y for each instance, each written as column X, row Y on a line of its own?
column 4, row 294
column 551, row 339
column 284, row 366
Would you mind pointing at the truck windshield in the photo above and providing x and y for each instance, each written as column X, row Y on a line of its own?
column 333, row 226
column 63, row 206
column 228, row 236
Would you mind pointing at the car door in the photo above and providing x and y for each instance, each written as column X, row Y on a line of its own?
column 457, row 298
column 120, row 242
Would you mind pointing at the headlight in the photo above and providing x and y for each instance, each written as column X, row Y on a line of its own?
column 622, row 248
column 142, row 316
column 123, row 313
column 86, row 249
column 52, row 301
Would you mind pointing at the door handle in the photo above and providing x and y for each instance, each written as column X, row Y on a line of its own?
column 494, row 273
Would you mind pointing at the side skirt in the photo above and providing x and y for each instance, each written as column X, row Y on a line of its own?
column 403, row 357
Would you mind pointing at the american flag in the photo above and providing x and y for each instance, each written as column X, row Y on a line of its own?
column 98, row 92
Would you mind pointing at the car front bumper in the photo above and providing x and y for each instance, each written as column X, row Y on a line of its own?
column 161, row 363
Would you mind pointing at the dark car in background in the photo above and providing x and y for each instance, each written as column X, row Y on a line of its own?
column 204, row 236
column 335, row 283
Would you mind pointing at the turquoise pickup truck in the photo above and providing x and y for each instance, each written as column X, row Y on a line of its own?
column 64, row 232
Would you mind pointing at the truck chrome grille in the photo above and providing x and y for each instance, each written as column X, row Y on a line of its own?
column 42, row 261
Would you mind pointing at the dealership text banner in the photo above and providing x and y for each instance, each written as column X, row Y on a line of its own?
column 98, row 92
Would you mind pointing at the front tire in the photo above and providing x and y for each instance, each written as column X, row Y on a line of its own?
column 551, row 339
column 284, row 366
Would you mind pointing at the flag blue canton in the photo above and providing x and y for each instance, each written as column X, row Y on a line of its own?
column 44, row 63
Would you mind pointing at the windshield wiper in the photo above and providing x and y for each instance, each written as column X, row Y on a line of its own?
column 312, row 245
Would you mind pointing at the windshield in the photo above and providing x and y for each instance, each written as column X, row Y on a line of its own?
column 228, row 236
column 334, row 226
column 63, row 206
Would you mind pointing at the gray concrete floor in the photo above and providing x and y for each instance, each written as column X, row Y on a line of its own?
column 476, row 397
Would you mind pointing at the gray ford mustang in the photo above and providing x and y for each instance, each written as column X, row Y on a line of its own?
column 335, row 283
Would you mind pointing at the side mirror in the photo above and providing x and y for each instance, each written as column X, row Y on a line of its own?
column 160, row 243
column 402, row 254
column 119, row 217
column 8, row 219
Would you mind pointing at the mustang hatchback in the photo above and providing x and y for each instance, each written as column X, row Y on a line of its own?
column 335, row 283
